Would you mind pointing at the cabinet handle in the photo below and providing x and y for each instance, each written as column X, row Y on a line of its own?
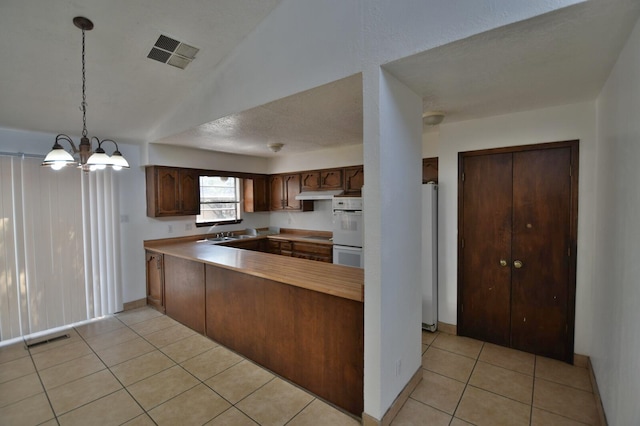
column 517, row 264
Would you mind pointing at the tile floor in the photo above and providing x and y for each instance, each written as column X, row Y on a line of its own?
column 142, row 368
column 469, row 382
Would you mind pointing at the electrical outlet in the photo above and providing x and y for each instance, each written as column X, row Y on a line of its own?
column 398, row 367
column 188, row 227
column 170, row 229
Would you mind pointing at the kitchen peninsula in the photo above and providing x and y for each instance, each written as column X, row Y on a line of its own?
column 300, row 318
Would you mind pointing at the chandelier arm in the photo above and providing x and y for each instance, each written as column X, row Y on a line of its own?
column 89, row 159
column 64, row 137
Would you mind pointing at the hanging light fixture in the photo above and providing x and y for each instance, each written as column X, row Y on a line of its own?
column 89, row 159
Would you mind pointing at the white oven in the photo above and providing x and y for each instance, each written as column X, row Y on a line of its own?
column 349, row 256
column 348, row 226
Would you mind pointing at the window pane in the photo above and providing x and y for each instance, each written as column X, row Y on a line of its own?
column 219, row 199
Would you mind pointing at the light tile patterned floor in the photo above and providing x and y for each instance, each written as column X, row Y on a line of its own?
column 142, row 368
column 469, row 382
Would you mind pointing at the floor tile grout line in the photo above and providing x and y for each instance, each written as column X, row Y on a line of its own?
column 220, row 345
column 430, row 406
column 188, row 372
column 122, row 384
column 116, row 378
column 300, row 411
column 220, row 372
column 533, row 388
column 44, row 390
column 467, row 382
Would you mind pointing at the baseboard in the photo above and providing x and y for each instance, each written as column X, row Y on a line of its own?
column 596, row 394
column 581, row 360
column 134, row 304
column 397, row 405
column 448, row 328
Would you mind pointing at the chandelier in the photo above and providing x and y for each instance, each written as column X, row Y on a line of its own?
column 88, row 158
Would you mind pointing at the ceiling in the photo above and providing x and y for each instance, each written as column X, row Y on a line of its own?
column 127, row 93
column 554, row 59
column 558, row 58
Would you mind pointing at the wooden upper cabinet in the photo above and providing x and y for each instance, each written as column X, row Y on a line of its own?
column 276, row 192
column 292, row 188
column 318, row 180
column 331, row 179
column 172, row 191
column 256, row 194
column 284, row 189
column 430, row 170
column 310, row 181
column 353, row 180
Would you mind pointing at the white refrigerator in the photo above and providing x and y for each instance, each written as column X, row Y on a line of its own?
column 430, row 257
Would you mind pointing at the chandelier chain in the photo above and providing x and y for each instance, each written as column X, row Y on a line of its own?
column 83, row 105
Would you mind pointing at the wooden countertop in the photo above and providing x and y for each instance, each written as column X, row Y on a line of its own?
column 337, row 280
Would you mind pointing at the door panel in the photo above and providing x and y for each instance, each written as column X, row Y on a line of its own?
column 485, row 310
column 519, row 205
column 541, row 235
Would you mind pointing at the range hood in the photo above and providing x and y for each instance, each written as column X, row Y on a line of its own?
column 318, row 195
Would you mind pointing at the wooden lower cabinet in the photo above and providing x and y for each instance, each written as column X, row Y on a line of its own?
column 302, row 250
column 184, row 292
column 155, row 280
column 313, row 339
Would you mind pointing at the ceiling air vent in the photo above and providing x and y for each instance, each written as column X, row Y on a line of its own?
column 172, row 52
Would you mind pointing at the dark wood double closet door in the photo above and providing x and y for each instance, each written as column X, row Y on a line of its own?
column 517, row 247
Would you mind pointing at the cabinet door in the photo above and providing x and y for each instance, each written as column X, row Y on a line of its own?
column 189, row 192
column 184, row 292
column 354, row 179
column 256, row 194
column 310, row 181
column 276, row 189
column 172, row 191
column 292, row 188
column 312, row 251
column 155, row 281
column 167, row 194
column 273, row 246
column 331, row 179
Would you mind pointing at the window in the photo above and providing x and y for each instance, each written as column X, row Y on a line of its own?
column 219, row 200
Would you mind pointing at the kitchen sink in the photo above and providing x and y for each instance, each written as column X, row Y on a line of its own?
column 225, row 238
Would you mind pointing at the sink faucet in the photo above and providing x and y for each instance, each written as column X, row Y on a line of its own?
column 211, row 229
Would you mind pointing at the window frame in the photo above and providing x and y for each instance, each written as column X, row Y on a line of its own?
column 238, row 201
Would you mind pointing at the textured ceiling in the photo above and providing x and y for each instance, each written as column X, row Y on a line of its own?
column 127, row 93
column 559, row 58
column 323, row 117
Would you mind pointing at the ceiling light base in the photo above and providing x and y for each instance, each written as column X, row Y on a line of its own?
column 432, row 118
column 275, row 147
column 83, row 23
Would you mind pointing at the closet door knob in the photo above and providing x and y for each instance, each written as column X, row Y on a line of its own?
column 503, row 262
column 517, row 264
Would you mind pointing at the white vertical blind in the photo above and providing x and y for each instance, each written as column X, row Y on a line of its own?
column 59, row 240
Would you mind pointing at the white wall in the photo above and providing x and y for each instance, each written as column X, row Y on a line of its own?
column 615, row 345
column 544, row 125
column 307, row 43
column 392, row 208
